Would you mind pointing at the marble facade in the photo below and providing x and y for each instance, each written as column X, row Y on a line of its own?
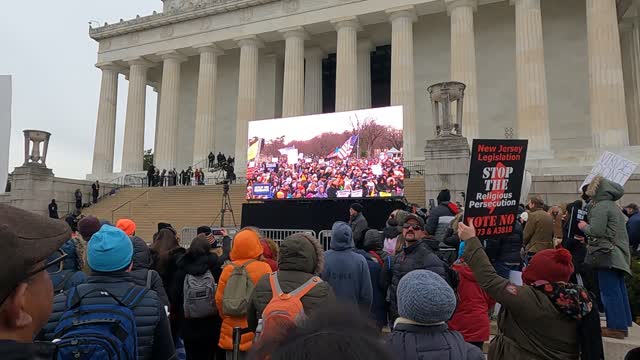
column 564, row 74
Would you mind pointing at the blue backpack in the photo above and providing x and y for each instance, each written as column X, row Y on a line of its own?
column 98, row 331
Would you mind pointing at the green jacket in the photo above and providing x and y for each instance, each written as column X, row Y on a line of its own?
column 538, row 233
column 607, row 222
column 301, row 257
column 530, row 327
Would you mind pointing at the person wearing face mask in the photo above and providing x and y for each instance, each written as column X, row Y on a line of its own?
column 416, row 255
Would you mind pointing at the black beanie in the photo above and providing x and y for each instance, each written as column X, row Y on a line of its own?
column 356, row 207
column 443, row 196
column 203, row 230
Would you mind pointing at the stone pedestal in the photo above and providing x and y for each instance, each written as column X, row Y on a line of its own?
column 446, row 166
column 32, row 188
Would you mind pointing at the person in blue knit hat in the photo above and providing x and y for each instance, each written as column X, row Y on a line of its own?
column 109, row 255
column 425, row 303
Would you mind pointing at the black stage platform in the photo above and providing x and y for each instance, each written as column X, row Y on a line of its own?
column 316, row 214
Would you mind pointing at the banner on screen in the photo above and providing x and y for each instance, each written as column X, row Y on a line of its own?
column 496, row 170
column 349, row 154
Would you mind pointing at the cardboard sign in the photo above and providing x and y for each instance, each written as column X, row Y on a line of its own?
column 261, row 189
column 343, row 193
column 356, row 193
column 496, row 170
column 612, row 167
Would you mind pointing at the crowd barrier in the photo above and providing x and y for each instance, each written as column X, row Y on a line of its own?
column 278, row 235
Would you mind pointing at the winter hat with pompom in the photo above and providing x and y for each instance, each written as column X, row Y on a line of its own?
column 549, row 265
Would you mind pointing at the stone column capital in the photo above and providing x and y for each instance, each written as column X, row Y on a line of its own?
column 209, row 48
column 402, row 12
column 139, row 61
column 346, row 22
column 314, row 52
column 109, row 66
column 172, row 55
column 294, row 32
column 365, row 45
column 249, row 40
column 452, row 4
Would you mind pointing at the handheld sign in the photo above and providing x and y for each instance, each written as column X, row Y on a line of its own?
column 496, row 170
column 612, row 167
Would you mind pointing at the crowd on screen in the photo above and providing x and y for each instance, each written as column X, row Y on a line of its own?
column 380, row 176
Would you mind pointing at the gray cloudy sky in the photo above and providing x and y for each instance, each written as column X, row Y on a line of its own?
column 45, row 46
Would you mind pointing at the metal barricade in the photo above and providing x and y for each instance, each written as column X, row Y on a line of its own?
column 278, row 235
column 325, row 239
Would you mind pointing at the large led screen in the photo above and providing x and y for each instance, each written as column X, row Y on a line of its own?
column 339, row 155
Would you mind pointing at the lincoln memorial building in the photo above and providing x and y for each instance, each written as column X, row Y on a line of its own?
column 564, row 74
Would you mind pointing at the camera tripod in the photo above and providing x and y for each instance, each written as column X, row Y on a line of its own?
column 226, row 207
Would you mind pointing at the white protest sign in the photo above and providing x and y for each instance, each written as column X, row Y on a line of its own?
column 376, row 169
column 275, row 160
column 612, row 167
column 356, row 193
column 344, row 193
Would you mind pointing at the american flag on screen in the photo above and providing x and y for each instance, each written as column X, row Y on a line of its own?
column 346, row 149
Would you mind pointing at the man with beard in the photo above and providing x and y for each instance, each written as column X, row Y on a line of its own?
column 416, row 255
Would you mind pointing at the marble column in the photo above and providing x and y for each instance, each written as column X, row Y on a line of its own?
column 402, row 76
column 204, row 139
column 313, row 81
column 166, row 154
column 347, row 63
column 463, row 61
column 606, row 85
column 365, row 46
column 106, row 124
column 531, row 87
column 293, row 87
column 634, row 52
column 247, row 93
column 133, row 146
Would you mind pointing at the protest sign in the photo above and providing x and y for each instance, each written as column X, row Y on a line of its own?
column 612, row 167
column 343, row 193
column 356, row 193
column 261, row 189
column 376, row 169
column 496, row 170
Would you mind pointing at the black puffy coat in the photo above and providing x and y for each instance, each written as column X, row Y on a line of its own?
column 419, row 256
column 154, row 336
column 11, row 350
column 506, row 249
column 413, row 342
column 434, row 216
column 142, row 273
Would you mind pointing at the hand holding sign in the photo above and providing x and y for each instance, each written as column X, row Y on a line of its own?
column 466, row 232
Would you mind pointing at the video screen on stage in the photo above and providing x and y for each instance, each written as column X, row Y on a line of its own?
column 352, row 154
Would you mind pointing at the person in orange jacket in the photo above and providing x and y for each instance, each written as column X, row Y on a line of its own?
column 246, row 247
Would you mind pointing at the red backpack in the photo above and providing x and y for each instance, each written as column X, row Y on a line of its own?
column 284, row 311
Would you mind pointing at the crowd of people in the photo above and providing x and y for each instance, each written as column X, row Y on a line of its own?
column 189, row 176
column 397, row 293
column 379, row 176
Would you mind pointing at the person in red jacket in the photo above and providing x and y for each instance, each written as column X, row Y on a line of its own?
column 270, row 253
column 471, row 317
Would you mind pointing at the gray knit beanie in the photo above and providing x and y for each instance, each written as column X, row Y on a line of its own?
column 425, row 297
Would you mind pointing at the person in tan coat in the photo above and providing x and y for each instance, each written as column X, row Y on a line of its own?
column 538, row 233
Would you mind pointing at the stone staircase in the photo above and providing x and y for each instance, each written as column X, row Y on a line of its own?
column 189, row 206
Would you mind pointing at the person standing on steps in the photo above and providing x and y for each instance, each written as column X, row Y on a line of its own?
column 53, row 209
column 151, row 171
column 95, row 191
column 78, row 196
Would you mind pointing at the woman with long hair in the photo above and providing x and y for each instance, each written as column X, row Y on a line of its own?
column 200, row 332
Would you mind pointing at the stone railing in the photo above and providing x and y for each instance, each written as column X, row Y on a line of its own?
column 177, row 12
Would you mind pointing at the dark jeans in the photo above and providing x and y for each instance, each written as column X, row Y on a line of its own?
column 615, row 299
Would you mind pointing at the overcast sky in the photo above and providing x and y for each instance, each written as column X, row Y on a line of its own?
column 45, row 46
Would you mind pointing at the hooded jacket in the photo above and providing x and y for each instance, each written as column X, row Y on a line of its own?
column 444, row 208
column 470, row 318
column 269, row 257
column 201, row 329
column 244, row 249
column 530, row 326
column 607, row 223
column 301, row 258
column 345, row 270
column 141, row 272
